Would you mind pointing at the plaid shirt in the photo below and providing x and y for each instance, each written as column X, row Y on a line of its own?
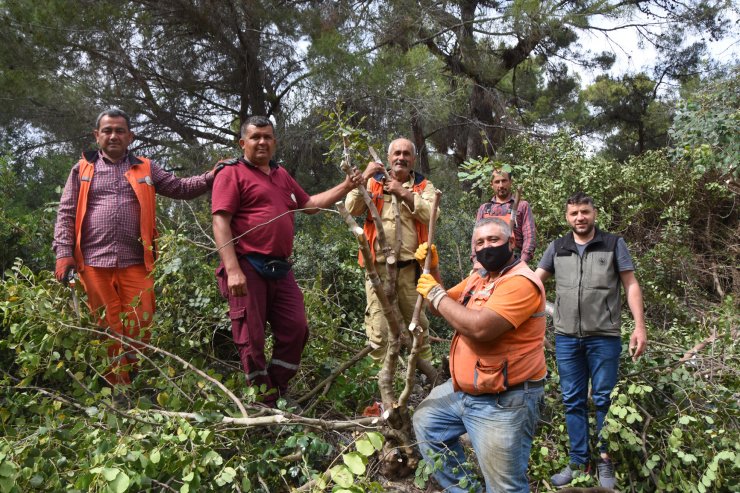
column 524, row 233
column 110, row 230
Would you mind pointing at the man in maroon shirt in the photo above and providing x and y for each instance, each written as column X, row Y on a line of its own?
column 253, row 224
column 105, row 231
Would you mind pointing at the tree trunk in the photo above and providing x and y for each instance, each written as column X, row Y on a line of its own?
column 419, row 142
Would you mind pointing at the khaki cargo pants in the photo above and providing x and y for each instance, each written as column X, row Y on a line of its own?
column 376, row 325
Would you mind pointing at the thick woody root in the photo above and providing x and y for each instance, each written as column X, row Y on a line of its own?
column 399, row 458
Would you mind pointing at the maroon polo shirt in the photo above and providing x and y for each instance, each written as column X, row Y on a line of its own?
column 255, row 200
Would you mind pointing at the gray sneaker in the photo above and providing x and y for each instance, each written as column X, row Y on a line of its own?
column 606, row 473
column 570, row 472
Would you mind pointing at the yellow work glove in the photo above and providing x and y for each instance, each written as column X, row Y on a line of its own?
column 430, row 289
column 421, row 255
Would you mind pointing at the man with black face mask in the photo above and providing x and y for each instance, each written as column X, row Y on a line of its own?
column 497, row 364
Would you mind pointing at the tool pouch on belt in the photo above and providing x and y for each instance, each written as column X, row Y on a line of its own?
column 491, row 377
column 269, row 267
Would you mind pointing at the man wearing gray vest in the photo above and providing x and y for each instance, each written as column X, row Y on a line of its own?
column 588, row 265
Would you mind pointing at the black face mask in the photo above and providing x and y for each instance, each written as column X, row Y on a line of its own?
column 494, row 258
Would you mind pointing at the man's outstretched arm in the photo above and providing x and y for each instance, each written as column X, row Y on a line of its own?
column 479, row 325
column 329, row 197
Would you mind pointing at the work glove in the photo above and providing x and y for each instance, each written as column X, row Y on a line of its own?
column 421, row 255
column 223, row 163
column 429, row 288
column 62, row 268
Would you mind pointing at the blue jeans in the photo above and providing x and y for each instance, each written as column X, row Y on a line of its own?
column 595, row 358
column 501, row 428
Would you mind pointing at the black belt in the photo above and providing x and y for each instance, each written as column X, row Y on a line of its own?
column 529, row 384
column 405, row 263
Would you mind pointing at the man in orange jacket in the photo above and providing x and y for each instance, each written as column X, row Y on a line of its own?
column 105, row 230
column 497, row 364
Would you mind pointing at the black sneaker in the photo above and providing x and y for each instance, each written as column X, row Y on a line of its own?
column 569, row 473
column 605, row 468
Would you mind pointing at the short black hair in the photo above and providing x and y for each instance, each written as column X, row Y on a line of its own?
column 113, row 113
column 579, row 198
column 257, row 121
column 499, row 171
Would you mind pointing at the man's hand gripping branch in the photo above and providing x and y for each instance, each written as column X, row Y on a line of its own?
column 428, row 286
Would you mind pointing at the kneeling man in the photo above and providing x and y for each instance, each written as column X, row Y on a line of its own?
column 497, row 363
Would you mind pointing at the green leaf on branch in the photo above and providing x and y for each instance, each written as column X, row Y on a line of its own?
column 365, row 447
column 355, row 462
column 120, row 483
column 7, row 469
column 226, row 476
column 376, row 439
column 342, row 476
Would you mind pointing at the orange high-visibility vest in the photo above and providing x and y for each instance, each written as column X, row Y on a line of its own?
column 376, row 194
column 139, row 176
column 514, row 357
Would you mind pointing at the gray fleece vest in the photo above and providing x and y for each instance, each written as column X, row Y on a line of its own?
column 588, row 300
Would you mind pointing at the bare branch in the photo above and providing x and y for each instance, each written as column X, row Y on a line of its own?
column 325, row 382
column 280, row 418
column 387, row 251
column 156, row 349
